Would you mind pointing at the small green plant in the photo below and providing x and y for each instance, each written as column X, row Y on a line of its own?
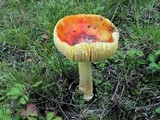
column 17, row 92
column 135, row 56
column 51, row 116
column 154, row 61
column 132, row 58
column 5, row 112
column 157, row 109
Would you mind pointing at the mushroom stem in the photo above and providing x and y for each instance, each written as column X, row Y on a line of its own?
column 85, row 84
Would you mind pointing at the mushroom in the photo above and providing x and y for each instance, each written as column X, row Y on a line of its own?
column 86, row 38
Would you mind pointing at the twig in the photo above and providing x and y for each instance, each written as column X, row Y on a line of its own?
column 115, row 92
column 146, row 107
column 122, row 90
column 62, row 111
column 103, row 112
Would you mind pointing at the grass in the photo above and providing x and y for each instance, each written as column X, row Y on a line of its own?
column 126, row 86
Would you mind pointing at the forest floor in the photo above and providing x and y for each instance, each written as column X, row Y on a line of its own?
column 37, row 82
